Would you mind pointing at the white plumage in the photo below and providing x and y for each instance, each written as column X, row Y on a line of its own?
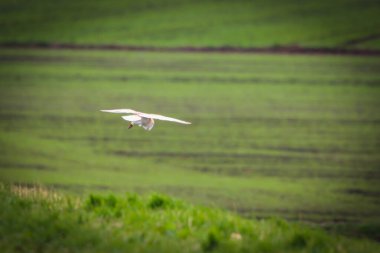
column 144, row 120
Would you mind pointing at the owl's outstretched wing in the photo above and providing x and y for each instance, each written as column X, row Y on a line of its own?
column 121, row 111
column 161, row 117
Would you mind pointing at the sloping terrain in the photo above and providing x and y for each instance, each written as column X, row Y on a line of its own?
column 293, row 136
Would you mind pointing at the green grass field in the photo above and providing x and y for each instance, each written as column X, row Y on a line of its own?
column 38, row 220
column 296, row 137
column 167, row 23
column 281, row 146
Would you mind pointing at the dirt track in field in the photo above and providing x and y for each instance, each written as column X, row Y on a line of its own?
column 264, row 50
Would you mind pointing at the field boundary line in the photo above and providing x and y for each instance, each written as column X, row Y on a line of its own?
column 261, row 50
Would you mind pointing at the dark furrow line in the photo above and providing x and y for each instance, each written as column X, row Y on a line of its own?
column 227, row 49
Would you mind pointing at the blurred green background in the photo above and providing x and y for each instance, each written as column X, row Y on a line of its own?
column 166, row 23
column 296, row 136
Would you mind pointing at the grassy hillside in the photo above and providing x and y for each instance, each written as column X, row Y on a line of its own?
column 271, row 135
column 37, row 220
column 166, row 23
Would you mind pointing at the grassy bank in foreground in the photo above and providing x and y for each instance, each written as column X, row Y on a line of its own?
column 37, row 220
column 168, row 23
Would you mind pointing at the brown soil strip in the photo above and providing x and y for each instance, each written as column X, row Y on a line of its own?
column 280, row 173
column 265, row 50
column 25, row 166
column 361, row 192
column 198, row 155
column 361, row 40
